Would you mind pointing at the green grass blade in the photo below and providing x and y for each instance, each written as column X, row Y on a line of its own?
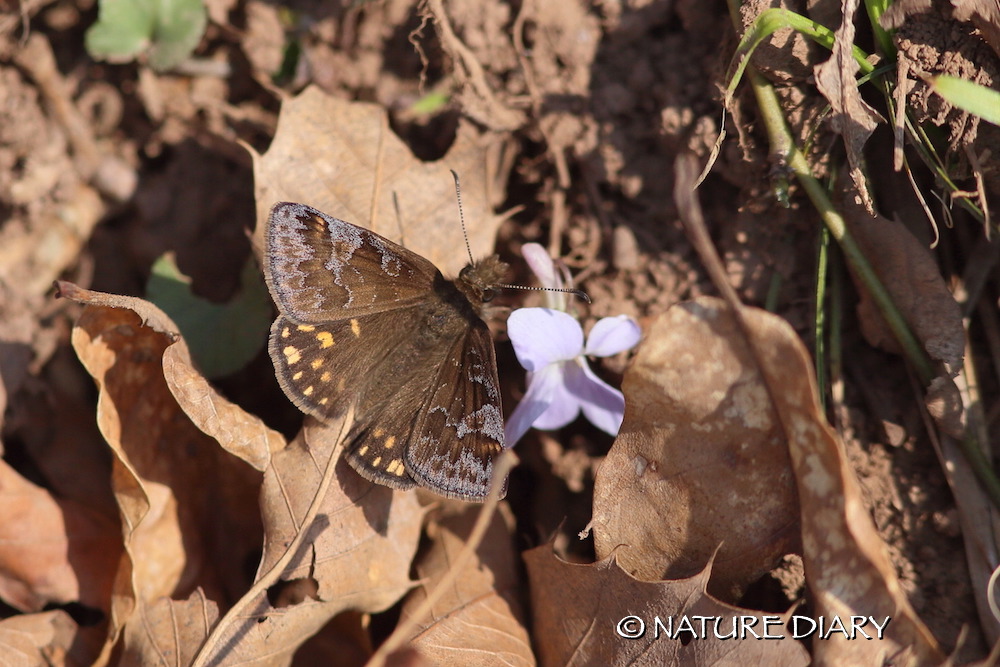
column 972, row 97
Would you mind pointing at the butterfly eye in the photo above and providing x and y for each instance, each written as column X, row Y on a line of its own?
column 489, row 293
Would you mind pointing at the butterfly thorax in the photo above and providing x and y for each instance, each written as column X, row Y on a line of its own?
column 458, row 305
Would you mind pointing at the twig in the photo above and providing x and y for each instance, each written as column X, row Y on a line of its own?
column 502, row 117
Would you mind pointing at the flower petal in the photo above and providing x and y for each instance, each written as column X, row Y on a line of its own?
column 548, row 273
column 541, row 264
column 541, row 388
column 602, row 404
column 565, row 406
column 542, row 336
column 611, row 335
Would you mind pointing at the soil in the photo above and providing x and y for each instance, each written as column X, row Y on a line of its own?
column 105, row 167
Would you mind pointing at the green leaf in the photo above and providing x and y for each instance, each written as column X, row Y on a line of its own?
column 123, row 30
column 430, row 103
column 168, row 30
column 179, row 29
column 223, row 337
column 876, row 8
column 969, row 96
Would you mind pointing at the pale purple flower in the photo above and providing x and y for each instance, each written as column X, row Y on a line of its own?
column 548, row 274
column 549, row 343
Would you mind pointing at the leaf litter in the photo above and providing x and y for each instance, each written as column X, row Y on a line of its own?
column 223, row 525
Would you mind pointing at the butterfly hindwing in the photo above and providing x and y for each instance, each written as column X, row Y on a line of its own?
column 378, row 441
column 322, row 367
column 316, row 364
column 320, row 268
column 459, row 431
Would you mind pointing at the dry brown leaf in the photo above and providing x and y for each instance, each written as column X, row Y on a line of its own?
column 355, row 554
column 478, row 621
column 38, row 639
column 852, row 117
column 166, row 631
column 362, row 555
column 239, row 433
column 846, row 563
column 700, row 459
column 579, row 611
column 188, row 509
column 908, row 271
column 340, row 157
column 55, row 550
column 847, row 566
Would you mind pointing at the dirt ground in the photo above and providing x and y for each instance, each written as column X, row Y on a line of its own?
column 566, row 122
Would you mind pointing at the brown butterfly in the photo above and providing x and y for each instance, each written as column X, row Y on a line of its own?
column 364, row 321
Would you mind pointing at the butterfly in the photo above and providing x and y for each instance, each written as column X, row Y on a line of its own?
column 364, row 321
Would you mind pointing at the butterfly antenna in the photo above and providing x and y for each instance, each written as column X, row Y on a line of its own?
column 461, row 214
column 579, row 293
column 399, row 219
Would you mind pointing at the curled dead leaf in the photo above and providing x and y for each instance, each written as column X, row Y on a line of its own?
column 846, row 563
column 238, row 432
column 356, row 548
column 701, row 458
column 188, row 508
column 853, row 118
column 847, row 566
column 908, row 271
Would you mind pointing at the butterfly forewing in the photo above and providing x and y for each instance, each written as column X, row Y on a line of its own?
column 320, row 268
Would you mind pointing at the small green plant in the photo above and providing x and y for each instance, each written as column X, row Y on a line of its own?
column 165, row 31
column 963, row 94
column 223, row 337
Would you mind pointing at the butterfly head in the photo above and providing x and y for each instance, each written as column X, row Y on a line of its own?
column 479, row 281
